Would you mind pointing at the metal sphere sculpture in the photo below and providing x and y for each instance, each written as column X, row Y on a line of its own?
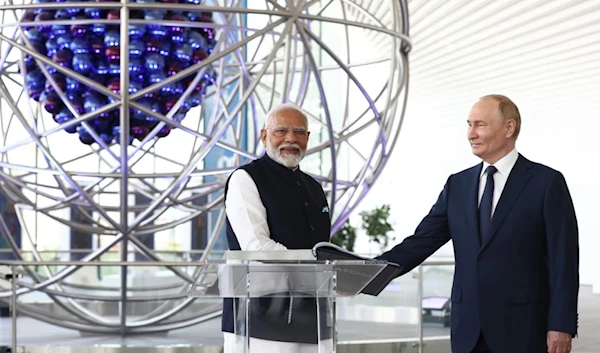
column 221, row 64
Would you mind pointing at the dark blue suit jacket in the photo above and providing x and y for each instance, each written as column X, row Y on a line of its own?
column 523, row 281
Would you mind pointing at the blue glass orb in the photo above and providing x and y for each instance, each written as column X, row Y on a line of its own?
column 136, row 31
column 117, row 132
column 64, row 40
column 80, row 45
column 184, row 52
column 34, row 35
column 62, row 14
column 112, row 38
column 197, row 40
column 73, row 85
column 92, row 102
column 134, row 87
column 82, row 63
column 195, row 98
column 156, row 77
column 84, row 136
column 136, row 48
column 51, row 46
column 92, row 13
column 101, row 67
column 154, row 62
column 157, row 31
column 64, row 116
column 59, row 30
column 135, row 66
column 99, row 28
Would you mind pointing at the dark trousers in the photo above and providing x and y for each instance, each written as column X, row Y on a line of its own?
column 481, row 346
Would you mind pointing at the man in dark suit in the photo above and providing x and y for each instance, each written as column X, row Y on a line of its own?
column 515, row 237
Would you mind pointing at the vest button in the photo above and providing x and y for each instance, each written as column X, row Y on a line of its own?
column 298, row 182
column 312, row 227
column 480, row 259
column 306, row 204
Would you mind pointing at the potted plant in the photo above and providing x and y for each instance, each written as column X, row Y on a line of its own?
column 377, row 226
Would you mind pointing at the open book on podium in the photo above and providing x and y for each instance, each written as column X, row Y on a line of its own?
column 329, row 251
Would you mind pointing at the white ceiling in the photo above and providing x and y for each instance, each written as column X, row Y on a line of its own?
column 545, row 55
column 535, row 48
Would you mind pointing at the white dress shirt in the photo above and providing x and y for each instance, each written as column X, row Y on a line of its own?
column 504, row 167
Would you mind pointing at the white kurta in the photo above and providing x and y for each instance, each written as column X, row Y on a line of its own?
column 248, row 218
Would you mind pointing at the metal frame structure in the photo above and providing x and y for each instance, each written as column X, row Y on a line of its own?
column 292, row 54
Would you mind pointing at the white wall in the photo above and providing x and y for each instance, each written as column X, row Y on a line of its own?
column 561, row 134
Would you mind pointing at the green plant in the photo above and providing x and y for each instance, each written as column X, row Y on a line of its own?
column 345, row 237
column 376, row 225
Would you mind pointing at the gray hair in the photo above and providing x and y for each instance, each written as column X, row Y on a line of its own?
column 285, row 106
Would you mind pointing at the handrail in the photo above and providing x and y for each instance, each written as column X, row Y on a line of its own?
column 151, row 264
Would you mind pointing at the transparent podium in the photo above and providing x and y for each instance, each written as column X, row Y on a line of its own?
column 280, row 304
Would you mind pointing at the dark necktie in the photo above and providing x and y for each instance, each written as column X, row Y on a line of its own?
column 485, row 207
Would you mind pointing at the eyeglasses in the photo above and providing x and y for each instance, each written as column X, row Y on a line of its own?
column 283, row 131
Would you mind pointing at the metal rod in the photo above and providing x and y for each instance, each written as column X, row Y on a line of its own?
column 124, row 141
column 420, row 309
column 13, row 305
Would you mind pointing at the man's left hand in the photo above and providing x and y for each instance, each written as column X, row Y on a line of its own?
column 558, row 342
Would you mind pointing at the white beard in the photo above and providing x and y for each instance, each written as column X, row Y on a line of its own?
column 288, row 160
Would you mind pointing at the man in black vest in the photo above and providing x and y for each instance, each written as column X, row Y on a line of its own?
column 272, row 205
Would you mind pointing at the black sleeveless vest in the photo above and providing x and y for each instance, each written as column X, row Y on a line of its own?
column 298, row 218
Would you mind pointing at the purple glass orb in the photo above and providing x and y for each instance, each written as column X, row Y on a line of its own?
column 59, row 79
column 174, row 67
column 52, row 103
column 97, row 45
column 164, row 131
column 139, row 132
column 28, row 16
column 113, row 55
column 44, row 16
column 63, row 57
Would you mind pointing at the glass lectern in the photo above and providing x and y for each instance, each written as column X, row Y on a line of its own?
column 276, row 297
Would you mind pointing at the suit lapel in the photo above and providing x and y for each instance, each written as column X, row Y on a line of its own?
column 472, row 201
column 519, row 176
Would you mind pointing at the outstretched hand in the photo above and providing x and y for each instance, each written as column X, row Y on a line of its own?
column 558, row 342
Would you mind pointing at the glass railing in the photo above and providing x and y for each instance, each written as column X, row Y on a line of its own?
column 61, row 302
